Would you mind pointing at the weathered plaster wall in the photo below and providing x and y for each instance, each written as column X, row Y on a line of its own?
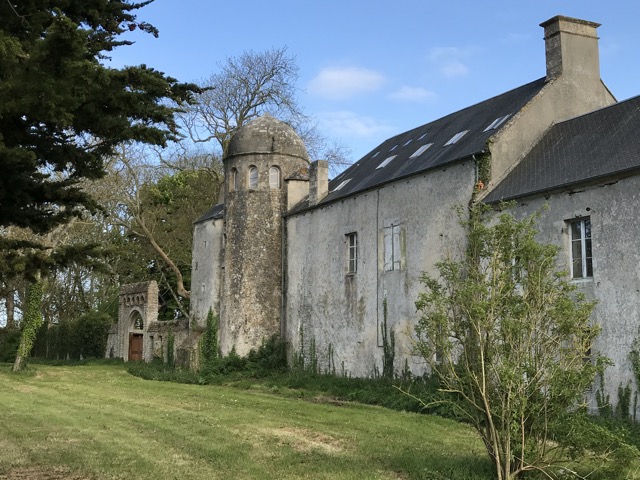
column 206, row 269
column 613, row 210
column 341, row 312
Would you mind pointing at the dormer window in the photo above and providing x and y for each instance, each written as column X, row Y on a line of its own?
column 456, row 137
column 253, row 178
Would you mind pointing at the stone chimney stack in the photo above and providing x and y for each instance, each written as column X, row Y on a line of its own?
column 318, row 181
column 571, row 47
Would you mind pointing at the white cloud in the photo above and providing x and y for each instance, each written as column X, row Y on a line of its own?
column 454, row 69
column 437, row 54
column 412, row 94
column 345, row 82
column 450, row 60
column 347, row 124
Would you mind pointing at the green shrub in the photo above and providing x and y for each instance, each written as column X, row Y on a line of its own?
column 9, row 340
column 210, row 339
column 269, row 359
column 89, row 335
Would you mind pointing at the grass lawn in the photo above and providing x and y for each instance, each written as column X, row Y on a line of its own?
column 98, row 422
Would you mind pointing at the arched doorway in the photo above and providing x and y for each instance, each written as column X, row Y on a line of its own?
column 136, row 336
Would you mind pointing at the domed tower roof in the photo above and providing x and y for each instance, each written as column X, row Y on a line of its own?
column 266, row 134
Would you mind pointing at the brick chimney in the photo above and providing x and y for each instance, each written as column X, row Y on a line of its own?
column 318, row 181
column 571, row 47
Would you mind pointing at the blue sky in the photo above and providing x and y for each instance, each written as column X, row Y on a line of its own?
column 372, row 69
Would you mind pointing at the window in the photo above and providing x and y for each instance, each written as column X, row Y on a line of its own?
column 274, row 178
column 342, row 184
column 392, row 248
column 253, row 178
column 234, row 179
column 581, row 256
column 496, row 123
column 421, row 150
column 456, row 137
column 352, row 249
column 386, row 161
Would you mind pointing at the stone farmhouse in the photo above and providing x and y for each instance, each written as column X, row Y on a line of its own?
column 289, row 252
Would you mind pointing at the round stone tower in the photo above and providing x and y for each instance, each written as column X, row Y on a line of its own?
column 260, row 156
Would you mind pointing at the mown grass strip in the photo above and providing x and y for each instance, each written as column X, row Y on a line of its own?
column 101, row 422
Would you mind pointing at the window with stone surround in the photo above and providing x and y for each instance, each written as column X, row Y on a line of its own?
column 274, row 178
column 234, row 179
column 253, row 177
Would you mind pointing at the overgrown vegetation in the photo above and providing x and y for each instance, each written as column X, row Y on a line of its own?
column 31, row 323
column 388, row 345
column 84, row 337
column 9, row 340
column 506, row 335
column 210, row 339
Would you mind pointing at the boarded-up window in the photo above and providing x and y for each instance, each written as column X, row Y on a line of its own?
column 392, row 238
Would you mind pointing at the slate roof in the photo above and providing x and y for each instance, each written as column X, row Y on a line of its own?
column 584, row 149
column 366, row 174
column 213, row 213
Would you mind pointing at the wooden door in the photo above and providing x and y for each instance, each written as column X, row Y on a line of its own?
column 135, row 347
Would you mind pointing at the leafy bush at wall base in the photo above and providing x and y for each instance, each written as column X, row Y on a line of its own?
column 270, row 358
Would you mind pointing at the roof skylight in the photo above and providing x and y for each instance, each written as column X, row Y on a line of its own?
column 421, row 150
column 386, row 161
column 393, row 148
column 375, row 154
column 456, row 137
column 342, row 185
column 497, row 122
column 407, row 142
column 421, row 136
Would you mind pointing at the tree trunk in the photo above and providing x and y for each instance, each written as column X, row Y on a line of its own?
column 10, row 303
column 31, row 323
column 183, row 292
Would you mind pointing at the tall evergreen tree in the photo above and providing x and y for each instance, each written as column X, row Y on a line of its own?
column 62, row 110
